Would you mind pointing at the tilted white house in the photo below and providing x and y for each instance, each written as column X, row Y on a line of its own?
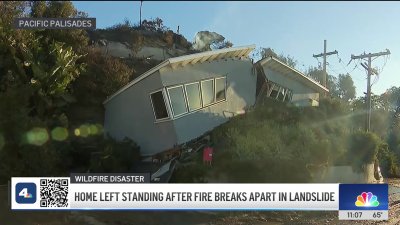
column 280, row 81
column 182, row 98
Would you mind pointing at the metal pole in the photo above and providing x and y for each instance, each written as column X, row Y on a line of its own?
column 140, row 25
column 324, row 66
column 368, row 126
column 370, row 72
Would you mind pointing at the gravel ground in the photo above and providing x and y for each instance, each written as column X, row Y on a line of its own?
column 8, row 217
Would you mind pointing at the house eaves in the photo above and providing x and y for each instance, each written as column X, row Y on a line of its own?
column 283, row 68
column 189, row 60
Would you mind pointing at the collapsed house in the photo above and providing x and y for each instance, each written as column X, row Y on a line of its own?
column 184, row 97
column 282, row 82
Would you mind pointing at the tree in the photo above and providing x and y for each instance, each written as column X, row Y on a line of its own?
column 333, row 87
column 388, row 161
column 154, row 25
column 315, row 74
column 347, row 90
column 36, row 73
column 104, row 75
column 269, row 52
column 393, row 97
column 389, row 99
column 10, row 10
column 77, row 38
column 332, row 81
column 38, row 9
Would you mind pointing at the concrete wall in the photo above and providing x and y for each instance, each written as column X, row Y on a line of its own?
column 301, row 92
column 158, row 53
column 130, row 114
column 116, row 49
column 344, row 174
column 241, row 93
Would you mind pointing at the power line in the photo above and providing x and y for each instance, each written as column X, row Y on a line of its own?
column 355, row 67
column 338, row 73
column 319, row 63
column 376, row 79
column 344, row 66
column 387, row 57
column 358, row 63
column 371, row 71
column 334, row 70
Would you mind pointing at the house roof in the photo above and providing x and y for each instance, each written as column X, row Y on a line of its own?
column 201, row 57
column 283, row 68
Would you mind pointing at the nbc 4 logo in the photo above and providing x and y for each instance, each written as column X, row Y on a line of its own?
column 25, row 193
column 367, row 199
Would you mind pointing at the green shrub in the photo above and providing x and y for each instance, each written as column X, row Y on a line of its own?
column 115, row 156
column 363, row 148
column 191, row 173
column 388, row 162
column 267, row 170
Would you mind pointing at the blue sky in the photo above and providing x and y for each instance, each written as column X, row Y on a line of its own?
column 293, row 28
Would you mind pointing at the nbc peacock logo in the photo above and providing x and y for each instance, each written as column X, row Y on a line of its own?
column 367, row 199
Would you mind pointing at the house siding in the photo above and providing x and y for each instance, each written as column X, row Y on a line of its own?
column 240, row 93
column 130, row 114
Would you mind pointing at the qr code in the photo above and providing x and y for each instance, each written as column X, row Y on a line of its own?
column 54, row 193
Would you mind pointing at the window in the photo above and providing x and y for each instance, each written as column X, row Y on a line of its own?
column 207, row 91
column 275, row 91
column 289, row 96
column 177, row 99
column 159, row 108
column 281, row 94
column 189, row 97
column 220, row 89
column 193, row 96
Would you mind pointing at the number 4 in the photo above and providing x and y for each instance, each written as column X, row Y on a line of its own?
column 23, row 192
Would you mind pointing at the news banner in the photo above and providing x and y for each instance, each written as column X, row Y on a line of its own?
column 133, row 191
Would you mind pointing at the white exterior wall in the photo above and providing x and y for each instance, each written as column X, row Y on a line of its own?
column 241, row 93
column 303, row 95
column 130, row 114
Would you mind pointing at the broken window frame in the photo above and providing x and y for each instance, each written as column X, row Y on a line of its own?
column 281, row 94
column 215, row 89
column 275, row 88
column 290, row 95
column 165, row 105
column 279, row 90
column 202, row 92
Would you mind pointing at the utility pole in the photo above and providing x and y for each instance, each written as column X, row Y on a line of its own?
column 140, row 22
column 324, row 55
column 370, row 71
